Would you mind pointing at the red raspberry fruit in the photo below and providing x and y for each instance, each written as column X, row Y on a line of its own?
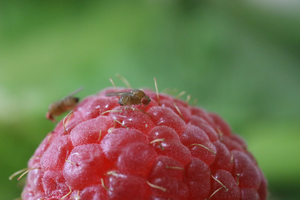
column 167, row 151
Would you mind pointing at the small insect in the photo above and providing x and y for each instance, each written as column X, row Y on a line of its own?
column 134, row 97
column 59, row 107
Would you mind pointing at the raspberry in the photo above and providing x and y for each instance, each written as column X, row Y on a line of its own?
column 168, row 150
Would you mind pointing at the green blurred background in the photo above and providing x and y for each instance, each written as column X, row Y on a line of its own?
column 240, row 60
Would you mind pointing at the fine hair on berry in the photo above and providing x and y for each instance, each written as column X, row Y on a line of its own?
column 164, row 149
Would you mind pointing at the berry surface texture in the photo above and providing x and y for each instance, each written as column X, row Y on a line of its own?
column 165, row 150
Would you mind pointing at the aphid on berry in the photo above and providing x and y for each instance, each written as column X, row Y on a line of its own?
column 59, row 107
column 134, row 97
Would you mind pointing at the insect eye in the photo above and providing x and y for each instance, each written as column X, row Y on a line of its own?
column 145, row 101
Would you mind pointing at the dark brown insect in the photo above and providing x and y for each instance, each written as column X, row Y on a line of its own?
column 134, row 97
column 59, row 107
